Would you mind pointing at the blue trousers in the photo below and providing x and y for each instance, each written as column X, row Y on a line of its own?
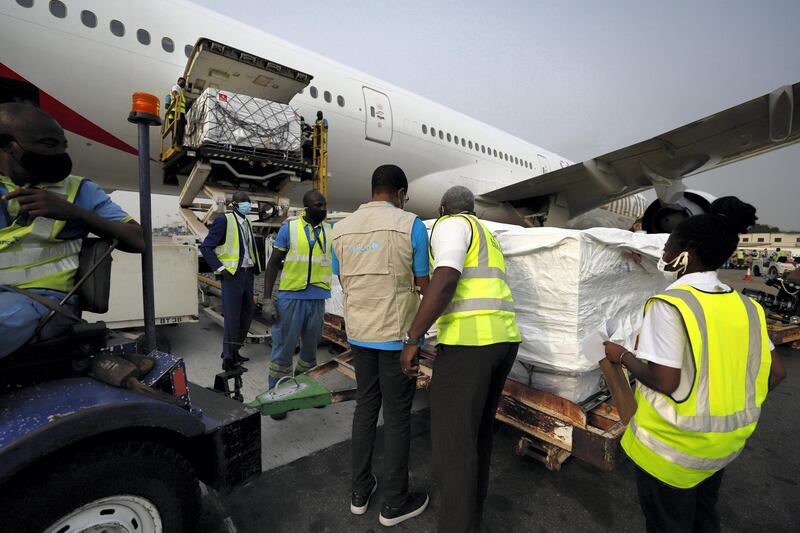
column 237, row 306
column 297, row 319
column 19, row 317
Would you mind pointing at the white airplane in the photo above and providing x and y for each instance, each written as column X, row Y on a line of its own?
column 82, row 60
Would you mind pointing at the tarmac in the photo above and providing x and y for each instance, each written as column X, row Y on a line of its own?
column 305, row 483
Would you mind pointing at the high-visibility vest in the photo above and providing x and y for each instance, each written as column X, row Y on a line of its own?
column 684, row 442
column 31, row 256
column 740, row 254
column 481, row 311
column 228, row 251
column 180, row 103
column 304, row 265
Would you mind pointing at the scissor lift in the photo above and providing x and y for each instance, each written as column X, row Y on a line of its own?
column 213, row 171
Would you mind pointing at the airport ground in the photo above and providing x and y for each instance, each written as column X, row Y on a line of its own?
column 305, row 484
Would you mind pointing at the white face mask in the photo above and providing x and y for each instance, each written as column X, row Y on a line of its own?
column 679, row 264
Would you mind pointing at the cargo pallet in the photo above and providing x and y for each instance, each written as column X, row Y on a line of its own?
column 553, row 428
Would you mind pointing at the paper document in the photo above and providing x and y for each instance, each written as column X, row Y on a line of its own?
column 592, row 346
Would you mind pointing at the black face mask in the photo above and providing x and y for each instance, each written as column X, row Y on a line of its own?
column 45, row 168
column 315, row 216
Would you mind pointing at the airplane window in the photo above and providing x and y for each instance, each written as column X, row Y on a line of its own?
column 143, row 36
column 455, row 139
column 188, row 50
column 327, row 96
column 463, row 142
column 58, row 9
column 483, row 149
column 340, row 100
column 501, row 155
column 516, row 161
column 25, row 3
column 167, row 45
column 424, row 129
column 89, row 19
column 449, row 138
column 506, row 156
column 441, row 134
column 433, row 132
column 117, row 28
column 313, row 92
column 470, row 145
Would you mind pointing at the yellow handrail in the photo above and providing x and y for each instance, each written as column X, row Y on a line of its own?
column 320, row 160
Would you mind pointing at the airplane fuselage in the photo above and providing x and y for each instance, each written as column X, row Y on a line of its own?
column 91, row 72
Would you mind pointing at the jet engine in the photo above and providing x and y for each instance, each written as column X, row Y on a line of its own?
column 664, row 214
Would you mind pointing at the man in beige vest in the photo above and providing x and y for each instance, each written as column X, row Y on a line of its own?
column 380, row 254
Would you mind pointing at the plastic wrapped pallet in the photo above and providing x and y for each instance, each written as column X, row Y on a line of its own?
column 567, row 284
column 239, row 122
column 574, row 386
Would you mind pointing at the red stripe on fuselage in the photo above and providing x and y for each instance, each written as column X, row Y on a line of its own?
column 69, row 119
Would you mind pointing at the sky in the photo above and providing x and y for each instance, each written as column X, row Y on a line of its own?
column 578, row 78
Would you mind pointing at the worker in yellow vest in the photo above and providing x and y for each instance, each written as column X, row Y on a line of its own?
column 44, row 215
column 303, row 247
column 477, row 342
column 230, row 250
column 178, row 96
column 703, row 367
column 740, row 258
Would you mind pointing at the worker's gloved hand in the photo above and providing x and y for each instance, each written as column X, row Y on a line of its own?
column 269, row 311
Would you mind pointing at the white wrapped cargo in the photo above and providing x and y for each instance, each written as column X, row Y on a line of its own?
column 573, row 386
column 242, row 123
column 567, row 284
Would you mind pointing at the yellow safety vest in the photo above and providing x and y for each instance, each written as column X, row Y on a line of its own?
column 304, row 266
column 684, row 442
column 31, row 256
column 482, row 309
column 228, row 251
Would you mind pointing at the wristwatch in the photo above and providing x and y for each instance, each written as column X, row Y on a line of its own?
column 410, row 341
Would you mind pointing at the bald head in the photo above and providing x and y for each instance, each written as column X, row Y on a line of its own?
column 458, row 199
column 23, row 121
column 32, row 145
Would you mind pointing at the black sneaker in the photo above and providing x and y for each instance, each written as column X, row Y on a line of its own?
column 416, row 503
column 278, row 416
column 360, row 500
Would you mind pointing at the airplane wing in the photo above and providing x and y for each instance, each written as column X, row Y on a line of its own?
column 765, row 123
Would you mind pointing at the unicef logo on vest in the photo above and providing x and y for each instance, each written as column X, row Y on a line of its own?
column 364, row 248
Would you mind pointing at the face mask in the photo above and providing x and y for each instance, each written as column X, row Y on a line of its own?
column 45, row 168
column 243, row 208
column 679, row 264
column 316, row 216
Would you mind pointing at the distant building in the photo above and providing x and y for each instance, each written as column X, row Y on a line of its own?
column 770, row 241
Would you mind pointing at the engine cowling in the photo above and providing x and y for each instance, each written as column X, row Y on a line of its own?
column 663, row 216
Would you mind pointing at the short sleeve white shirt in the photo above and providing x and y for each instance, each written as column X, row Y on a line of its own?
column 663, row 339
column 450, row 240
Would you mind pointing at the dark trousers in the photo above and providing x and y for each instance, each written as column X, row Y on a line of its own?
column 465, row 389
column 670, row 510
column 237, row 306
column 379, row 379
column 181, row 129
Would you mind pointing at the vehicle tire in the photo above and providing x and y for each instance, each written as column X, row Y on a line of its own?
column 146, row 485
column 773, row 271
column 756, row 271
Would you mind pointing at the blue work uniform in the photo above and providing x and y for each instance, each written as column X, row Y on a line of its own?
column 300, row 316
column 19, row 315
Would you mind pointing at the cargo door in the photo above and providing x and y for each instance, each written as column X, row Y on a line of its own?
column 379, row 116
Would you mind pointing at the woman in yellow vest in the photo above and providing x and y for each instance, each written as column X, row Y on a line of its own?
column 703, row 366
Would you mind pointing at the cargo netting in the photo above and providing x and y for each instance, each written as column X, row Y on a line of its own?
column 244, row 124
